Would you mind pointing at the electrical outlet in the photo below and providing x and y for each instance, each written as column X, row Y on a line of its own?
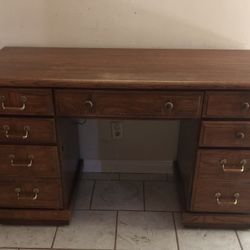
column 116, row 130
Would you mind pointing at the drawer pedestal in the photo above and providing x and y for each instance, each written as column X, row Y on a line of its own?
column 38, row 168
column 218, row 163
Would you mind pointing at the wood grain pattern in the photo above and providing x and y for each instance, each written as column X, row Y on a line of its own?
column 38, row 216
column 125, row 68
column 45, row 161
column 40, row 131
column 39, row 101
column 49, row 196
column 128, row 104
column 227, row 104
column 225, row 134
column 209, row 164
column 204, row 196
column 211, row 179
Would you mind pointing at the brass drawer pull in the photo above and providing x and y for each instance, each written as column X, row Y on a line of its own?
column 28, row 165
column 234, row 202
column 21, row 108
column 25, row 136
column 233, row 170
column 33, row 197
column 245, row 106
column 89, row 105
column 240, row 135
column 169, row 105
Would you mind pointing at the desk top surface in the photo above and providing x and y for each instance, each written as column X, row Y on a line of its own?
column 125, row 68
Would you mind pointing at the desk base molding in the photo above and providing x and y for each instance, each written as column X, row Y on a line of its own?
column 209, row 220
column 35, row 217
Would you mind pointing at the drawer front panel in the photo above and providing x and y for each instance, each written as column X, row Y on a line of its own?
column 18, row 193
column 129, row 104
column 32, row 161
column 26, row 102
column 225, row 134
column 221, row 196
column 231, row 165
column 27, row 131
column 227, row 104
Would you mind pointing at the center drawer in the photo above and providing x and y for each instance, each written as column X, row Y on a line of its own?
column 127, row 104
column 29, row 161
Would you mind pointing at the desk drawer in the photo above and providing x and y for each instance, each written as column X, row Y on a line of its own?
column 221, row 196
column 128, row 104
column 225, row 134
column 224, row 164
column 27, row 131
column 32, row 193
column 32, row 161
column 227, row 104
column 26, row 102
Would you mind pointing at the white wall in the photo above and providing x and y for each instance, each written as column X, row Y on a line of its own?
column 127, row 23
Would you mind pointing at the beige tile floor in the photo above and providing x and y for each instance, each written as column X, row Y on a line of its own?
column 124, row 212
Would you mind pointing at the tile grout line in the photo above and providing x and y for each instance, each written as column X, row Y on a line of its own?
column 143, row 193
column 116, row 229
column 54, row 238
column 241, row 247
column 165, row 179
column 92, row 195
column 50, row 249
column 127, row 210
column 14, row 248
column 176, row 233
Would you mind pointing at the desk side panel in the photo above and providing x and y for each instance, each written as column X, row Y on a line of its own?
column 67, row 132
column 186, row 159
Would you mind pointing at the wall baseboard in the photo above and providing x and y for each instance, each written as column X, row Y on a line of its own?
column 125, row 166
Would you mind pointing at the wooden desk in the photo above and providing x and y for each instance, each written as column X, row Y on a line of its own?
column 44, row 90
